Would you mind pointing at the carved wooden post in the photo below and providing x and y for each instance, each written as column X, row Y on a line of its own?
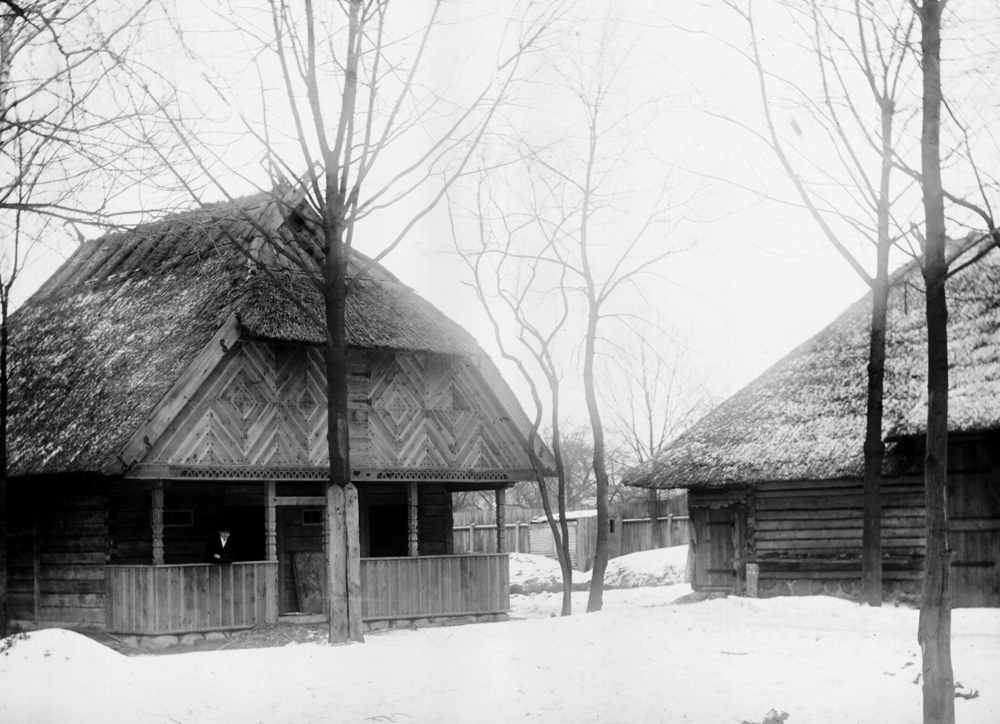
column 156, row 521
column 501, row 497
column 270, row 520
column 412, row 503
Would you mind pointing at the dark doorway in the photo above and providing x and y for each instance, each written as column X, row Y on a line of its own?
column 246, row 526
column 387, row 531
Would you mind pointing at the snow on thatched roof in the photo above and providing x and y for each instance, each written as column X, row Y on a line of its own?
column 101, row 342
column 804, row 418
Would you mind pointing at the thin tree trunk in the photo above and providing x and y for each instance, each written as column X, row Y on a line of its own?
column 874, row 447
column 6, row 30
column 3, row 465
column 934, row 634
column 595, row 601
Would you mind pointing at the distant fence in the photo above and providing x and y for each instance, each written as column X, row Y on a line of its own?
column 483, row 538
column 675, row 505
column 636, row 534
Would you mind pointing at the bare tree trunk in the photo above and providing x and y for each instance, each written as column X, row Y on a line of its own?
column 595, row 601
column 874, row 447
column 565, row 559
column 3, row 465
column 344, row 604
column 934, row 634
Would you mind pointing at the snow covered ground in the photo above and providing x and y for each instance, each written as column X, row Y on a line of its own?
column 535, row 574
column 642, row 659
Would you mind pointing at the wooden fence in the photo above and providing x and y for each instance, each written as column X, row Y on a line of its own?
column 637, row 534
column 674, row 505
column 483, row 538
column 434, row 586
column 185, row 598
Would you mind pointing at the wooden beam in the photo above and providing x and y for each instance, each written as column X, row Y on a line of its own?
column 270, row 521
column 501, row 509
column 312, row 501
column 156, row 522
column 354, row 597
column 413, row 536
column 182, row 390
column 37, row 565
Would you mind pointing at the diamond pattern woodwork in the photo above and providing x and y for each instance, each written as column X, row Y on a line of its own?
column 265, row 405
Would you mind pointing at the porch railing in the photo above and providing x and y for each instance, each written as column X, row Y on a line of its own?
column 434, row 586
column 185, row 598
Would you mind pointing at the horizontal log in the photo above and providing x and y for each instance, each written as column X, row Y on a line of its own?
column 58, row 502
column 777, row 485
column 766, row 575
column 822, row 534
column 84, row 544
column 80, row 587
column 86, row 616
column 852, row 522
column 72, row 600
column 828, row 502
column 63, row 559
column 73, row 573
column 845, row 544
column 315, row 501
column 971, row 525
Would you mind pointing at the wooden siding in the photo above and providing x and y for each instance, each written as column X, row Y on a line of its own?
column 264, row 406
column 974, row 512
column 184, row 598
column 436, row 412
column 57, row 551
column 434, row 586
column 806, row 535
column 812, row 529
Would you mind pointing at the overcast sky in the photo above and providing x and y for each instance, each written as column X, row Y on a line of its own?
column 758, row 279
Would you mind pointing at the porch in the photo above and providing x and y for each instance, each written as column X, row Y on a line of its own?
column 195, row 597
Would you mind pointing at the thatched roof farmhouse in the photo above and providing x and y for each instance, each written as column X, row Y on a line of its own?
column 785, row 453
column 165, row 379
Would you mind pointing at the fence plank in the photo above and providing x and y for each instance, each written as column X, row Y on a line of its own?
column 434, row 585
column 189, row 597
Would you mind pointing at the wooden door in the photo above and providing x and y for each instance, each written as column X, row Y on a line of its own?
column 974, row 502
column 716, row 530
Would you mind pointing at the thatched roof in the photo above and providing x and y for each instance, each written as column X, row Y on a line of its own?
column 96, row 348
column 804, row 418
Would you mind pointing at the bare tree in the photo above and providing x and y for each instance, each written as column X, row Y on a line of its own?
column 558, row 226
column 651, row 399
column 876, row 58
column 64, row 144
column 367, row 138
column 842, row 175
column 535, row 337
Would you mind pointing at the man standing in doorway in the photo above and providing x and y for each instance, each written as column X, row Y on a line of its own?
column 218, row 548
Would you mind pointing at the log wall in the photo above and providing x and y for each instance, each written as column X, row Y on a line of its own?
column 58, row 546
column 806, row 536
